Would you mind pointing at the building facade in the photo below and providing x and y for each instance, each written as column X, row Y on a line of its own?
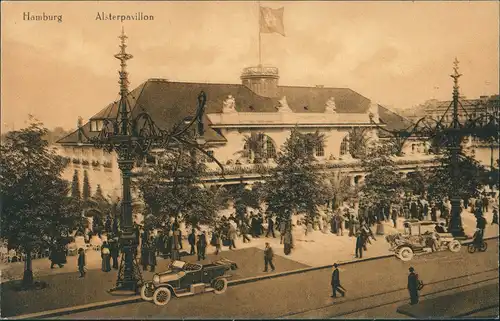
column 236, row 111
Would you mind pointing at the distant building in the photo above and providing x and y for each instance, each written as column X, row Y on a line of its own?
column 468, row 108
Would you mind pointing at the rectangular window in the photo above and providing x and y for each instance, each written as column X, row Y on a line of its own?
column 96, row 125
column 320, row 151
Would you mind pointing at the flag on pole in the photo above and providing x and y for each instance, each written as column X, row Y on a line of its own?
column 271, row 20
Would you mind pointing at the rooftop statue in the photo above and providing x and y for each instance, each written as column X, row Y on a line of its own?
column 283, row 105
column 229, row 105
column 330, row 106
column 373, row 112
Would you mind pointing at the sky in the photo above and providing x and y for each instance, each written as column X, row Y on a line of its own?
column 398, row 54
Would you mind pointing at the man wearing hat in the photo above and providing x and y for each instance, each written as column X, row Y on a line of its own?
column 359, row 245
column 413, row 286
column 336, row 282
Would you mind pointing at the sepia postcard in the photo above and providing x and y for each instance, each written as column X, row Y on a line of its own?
column 249, row 160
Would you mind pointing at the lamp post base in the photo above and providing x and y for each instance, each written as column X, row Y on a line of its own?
column 456, row 228
column 129, row 273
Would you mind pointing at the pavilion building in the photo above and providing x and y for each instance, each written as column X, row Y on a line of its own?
column 234, row 111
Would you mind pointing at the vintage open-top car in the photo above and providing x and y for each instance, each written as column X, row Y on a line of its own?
column 420, row 237
column 184, row 279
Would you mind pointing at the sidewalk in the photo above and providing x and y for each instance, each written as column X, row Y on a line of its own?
column 315, row 249
column 67, row 289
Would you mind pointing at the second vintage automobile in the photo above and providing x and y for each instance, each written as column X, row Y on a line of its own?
column 418, row 238
column 185, row 279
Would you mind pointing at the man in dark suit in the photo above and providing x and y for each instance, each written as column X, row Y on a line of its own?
column 202, row 245
column 268, row 257
column 414, row 209
column 192, row 241
column 270, row 226
column 114, row 251
column 359, row 245
column 413, row 286
column 336, row 282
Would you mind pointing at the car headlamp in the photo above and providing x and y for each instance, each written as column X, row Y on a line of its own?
column 156, row 278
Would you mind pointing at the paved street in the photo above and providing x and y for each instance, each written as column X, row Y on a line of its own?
column 67, row 289
column 374, row 286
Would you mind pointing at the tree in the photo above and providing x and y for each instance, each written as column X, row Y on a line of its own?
column 244, row 197
column 75, row 186
column 86, row 186
column 295, row 185
column 173, row 188
column 358, row 142
column 383, row 182
column 443, row 182
column 417, row 182
column 36, row 206
column 339, row 188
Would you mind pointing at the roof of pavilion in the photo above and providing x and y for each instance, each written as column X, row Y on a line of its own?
column 169, row 103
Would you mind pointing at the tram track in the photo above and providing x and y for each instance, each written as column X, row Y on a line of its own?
column 392, row 292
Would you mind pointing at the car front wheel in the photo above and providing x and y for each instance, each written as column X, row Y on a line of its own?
column 162, row 296
column 455, row 246
column 220, row 286
column 405, row 254
column 147, row 291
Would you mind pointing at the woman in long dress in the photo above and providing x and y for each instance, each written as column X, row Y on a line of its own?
column 106, row 257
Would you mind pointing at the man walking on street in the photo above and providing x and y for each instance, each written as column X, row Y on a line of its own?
column 336, row 282
column 244, row 232
column 192, row 241
column 359, row 245
column 413, row 285
column 81, row 262
column 114, row 251
column 270, row 226
column 202, row 245
column 268, row 257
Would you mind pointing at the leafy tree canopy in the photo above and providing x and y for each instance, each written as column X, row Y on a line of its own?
column 383, row 182
column 294, row 185
column 173, row 188
column 444, row 182
column 36, row 207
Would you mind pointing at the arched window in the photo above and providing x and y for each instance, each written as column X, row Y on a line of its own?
column 270, row 149
column 259, row 146
column 344, row 146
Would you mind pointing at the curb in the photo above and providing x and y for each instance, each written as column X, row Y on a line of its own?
column 137, row 298
column 77, row 309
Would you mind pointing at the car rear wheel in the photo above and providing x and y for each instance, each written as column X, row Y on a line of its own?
column 147, row 291
column 162, row 296
column 220, row 286
column 455, row 246
column 405, row 254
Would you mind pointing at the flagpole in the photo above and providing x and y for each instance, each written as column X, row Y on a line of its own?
column 260, row 40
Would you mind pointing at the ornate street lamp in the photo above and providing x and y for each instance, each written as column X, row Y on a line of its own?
column 450, row 135
column 132, row 134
